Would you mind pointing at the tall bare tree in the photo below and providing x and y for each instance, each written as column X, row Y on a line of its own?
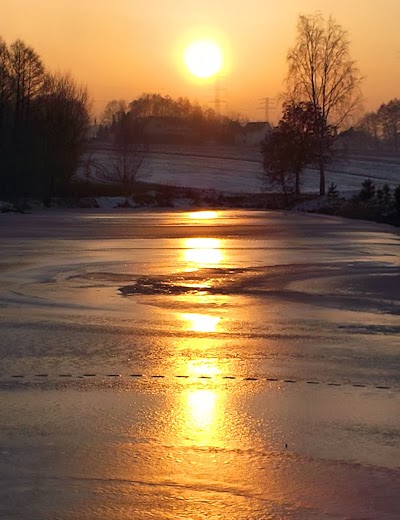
column 27, row 78
column 322, row 72
column 5, row 86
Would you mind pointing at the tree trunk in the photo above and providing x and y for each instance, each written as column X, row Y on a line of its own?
column 297, row 184
column 321, row 177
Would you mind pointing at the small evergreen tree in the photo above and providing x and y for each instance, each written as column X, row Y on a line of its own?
column 368, row 190
column 333, row 193
column 397, row 199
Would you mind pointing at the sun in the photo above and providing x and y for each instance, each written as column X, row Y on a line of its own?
column 203, row 58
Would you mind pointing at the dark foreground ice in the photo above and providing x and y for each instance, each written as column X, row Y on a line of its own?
column 241, row 365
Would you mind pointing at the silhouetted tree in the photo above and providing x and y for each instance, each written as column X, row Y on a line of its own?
column 397, row 199
column 389, row 118
column 294, row 144
column 322, row 72
column 383, row 126
column 333, row 192
column 129, row 154
column 113, row 112
column 5, row 85
column 63, row 118
column 43, row 124
column 27, row 77
column 368, row 190
column 370, row 123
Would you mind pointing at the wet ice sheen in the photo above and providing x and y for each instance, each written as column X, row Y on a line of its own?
column 249, row 295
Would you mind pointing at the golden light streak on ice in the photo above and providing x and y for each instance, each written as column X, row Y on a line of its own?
column 200, row 322
column 203, row 252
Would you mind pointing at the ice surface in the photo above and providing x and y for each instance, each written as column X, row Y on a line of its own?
column 252, row 371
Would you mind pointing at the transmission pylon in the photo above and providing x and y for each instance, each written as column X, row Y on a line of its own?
column 268, row 104
column 218, row 102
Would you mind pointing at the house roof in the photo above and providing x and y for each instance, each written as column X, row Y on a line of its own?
column 257, row 126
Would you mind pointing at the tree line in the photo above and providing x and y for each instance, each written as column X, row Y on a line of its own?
column 44, row 119
column 193, row 123
column 383, row 127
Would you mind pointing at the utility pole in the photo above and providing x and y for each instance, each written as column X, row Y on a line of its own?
column 268, row 104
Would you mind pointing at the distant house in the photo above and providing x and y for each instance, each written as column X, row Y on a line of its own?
column 169, row 130
column 253, row 133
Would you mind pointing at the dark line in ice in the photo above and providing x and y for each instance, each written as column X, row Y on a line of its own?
column 194, row 377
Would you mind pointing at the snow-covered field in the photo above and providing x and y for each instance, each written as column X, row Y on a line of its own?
column 234, row 170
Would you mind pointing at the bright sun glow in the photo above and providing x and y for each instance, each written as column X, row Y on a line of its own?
column 203, row 58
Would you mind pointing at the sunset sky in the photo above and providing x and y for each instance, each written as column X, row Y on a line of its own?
column 122, row 48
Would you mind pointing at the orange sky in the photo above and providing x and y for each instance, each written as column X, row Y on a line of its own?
column 121, row 48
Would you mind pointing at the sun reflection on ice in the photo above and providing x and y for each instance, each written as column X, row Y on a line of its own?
column 200, row 322
column 201, row 411
column 203, row 215
column 202, row 252
column 203, row 368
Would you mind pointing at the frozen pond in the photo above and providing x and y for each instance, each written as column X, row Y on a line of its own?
column 230, row 364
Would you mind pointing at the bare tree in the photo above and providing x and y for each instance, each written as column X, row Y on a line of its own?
column 389, row 116
column 5, row 86
column 370, row 123
column 127, row 164
column 27, row 78
column 322, row 72
column 129, row 153
column 113, row 112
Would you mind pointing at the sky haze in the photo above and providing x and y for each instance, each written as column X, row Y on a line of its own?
column 123, row 48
